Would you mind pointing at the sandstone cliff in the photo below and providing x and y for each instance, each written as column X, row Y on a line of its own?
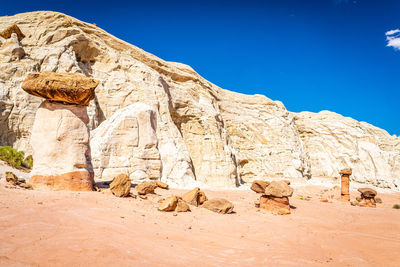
column 203, row 132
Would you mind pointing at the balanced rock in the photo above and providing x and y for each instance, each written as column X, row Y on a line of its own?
column 121, row 185
column 194, row 197
column 146, row 188
column 182, row 206
column 61, row 87
column 6, row 33
column 367, row 192
column 169, row 204
column 345, row 184
column 12, row 48
column 259, row 186
column 60, row 143
column 219, row 205
column 278, row 189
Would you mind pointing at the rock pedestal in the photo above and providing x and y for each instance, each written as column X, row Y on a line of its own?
column 367, row 197
column 345, row 184
column 275, row 197
column 60, row 133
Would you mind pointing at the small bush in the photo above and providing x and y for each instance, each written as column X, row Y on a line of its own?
column 28, row 162
column 15, row 158
column 396, row 206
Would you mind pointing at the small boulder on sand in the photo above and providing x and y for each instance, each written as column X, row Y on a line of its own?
column 194, row 197
column 259, row 186
column 276, row 198
column 169, row 204
column 121, row 185
column 182, row 206
column 278, row 189
column 146, row 188
column 161, row 184
column 219, row 205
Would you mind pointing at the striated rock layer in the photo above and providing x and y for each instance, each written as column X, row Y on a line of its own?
column 203, row 133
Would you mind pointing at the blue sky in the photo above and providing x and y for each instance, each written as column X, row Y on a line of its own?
column 311, row 55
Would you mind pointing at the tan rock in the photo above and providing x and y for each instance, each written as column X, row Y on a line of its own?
column 146, row 188
column 259, row 186
column 169, row 204
column 219, row 205
column 121, row 186
column 275, row 205
column 11, row 178
column 367, row 192
column 345, row 184
column 60, row 142
column 278, row 189
column 6, row 33
column 161, row 184
column 194, row 197
column 182, row 206
column 62, row 87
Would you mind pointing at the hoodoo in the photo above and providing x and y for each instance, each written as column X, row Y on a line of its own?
column 60, row 133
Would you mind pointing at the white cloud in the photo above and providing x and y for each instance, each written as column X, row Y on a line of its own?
column 393, row 38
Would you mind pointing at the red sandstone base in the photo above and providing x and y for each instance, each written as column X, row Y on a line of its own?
column 72, row 181
column 275, row 205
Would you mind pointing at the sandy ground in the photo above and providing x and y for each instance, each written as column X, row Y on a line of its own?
column 42, row 228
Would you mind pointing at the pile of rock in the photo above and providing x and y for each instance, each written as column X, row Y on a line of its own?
column 60, row 133
column 12, row 179
column 274, row 196
column 367, row 198
column 197, row 198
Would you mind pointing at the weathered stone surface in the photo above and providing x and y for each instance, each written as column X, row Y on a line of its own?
column 219, row 205
column 345, row 184
column 194, row 197
column 121, row 186
column 12, row 48
column 127, row 143
column 182, row 206
column 60, row 142
column 278, row 189
column 169, row 204
column 346, row 172
column 7, row 32
column 367, row 192
column 146, row 188
column 62, row 87
column 275, row 205
column 11, row 178
column 205, row 133
column 259, row 186
column 161, row 184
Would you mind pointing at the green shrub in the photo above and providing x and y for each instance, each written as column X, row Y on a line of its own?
column 15, row 158
column 396, row 206
column 28, row 162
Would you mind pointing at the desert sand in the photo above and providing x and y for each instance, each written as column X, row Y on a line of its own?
column 61, row 228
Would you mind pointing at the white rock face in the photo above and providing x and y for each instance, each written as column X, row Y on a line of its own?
column 60, row 141
column 334, row 142
column 12, row 48
column 204, row 133
column 127, row 143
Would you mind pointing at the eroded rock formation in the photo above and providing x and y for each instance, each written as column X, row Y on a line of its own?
column 60, row 136
column 204, row 133
column 345, row 184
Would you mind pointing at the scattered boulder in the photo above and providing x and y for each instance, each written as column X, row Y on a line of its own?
column 278, row 189
column 146, row 188
column 161, row 184
column 275, row 205
column 378, row 200
column 11, row 178
column 367, row 192
column 121, row 186
column 259, row 186
column 62, row 87
column 12, row 48
column 195, row 197
column 182, row 206
column 219, row 205
column 169, row 204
